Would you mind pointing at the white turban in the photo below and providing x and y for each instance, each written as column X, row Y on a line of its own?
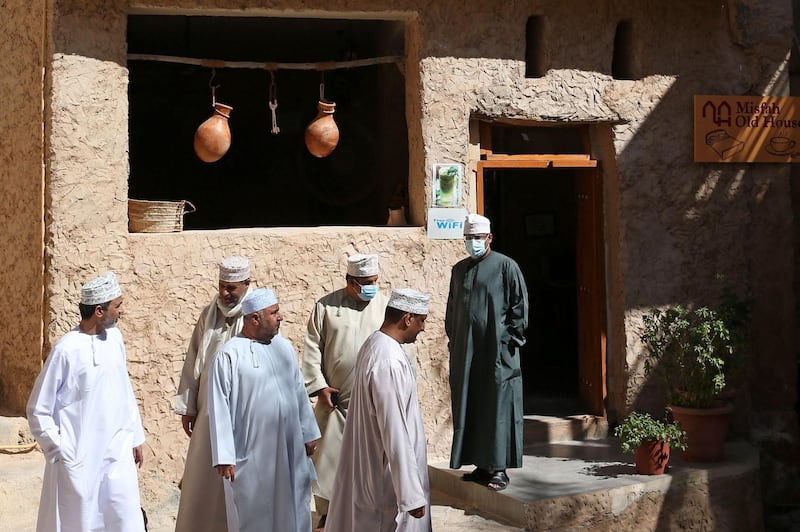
column 232, row 269
column 475, row 224
column 258, row 300
column 362, row 265
column 409, row 300
column 101, row 289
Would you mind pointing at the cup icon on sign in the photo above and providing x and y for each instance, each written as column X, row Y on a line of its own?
column 781, row 145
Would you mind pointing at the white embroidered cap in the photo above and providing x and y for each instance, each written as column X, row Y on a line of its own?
column 362, row 265
column 258, row 300
column 232, row 269
column 475, row 224
column 100, row 289
column 409, row 300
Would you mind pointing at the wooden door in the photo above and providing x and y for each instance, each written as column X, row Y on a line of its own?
column 591, row 291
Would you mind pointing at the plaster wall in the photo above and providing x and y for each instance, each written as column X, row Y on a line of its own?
column 671, row 224
column 21, row 210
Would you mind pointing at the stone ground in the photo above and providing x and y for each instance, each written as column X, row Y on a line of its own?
column 554, row 471
column 21, row 481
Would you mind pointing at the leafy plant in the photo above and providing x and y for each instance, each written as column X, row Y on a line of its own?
column 694, row 351
column 638, row 428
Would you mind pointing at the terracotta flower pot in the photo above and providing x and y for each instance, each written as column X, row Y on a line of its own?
column 651, row 457
column 213, row 138
column 322, row 134
column 706, row 431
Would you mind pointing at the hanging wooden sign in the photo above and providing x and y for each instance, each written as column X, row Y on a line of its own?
column 746, row 129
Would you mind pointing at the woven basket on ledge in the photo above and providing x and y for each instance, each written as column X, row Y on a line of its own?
column 157, row 216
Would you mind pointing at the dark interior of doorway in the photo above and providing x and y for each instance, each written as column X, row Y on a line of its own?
column 534, row 221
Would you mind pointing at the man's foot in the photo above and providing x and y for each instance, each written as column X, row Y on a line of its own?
column 321, row 524
column 499, row 481
column 481, row 476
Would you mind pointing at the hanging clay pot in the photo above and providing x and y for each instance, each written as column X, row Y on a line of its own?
column 213, row 138
column 322, row 134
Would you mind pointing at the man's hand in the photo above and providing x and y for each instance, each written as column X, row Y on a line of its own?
column 188, row 424
column 326, row 395
column 311, row 446
column 418, row 512
column 228, row 471
column 138, row 456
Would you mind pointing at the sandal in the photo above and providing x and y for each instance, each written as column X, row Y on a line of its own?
column 499, row 481
column 481, row 476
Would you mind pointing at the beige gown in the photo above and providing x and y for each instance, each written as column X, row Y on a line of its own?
column 337, row 328
column 202, row 502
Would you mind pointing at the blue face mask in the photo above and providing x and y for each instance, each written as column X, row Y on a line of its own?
column 476, row 248
column 368, row 291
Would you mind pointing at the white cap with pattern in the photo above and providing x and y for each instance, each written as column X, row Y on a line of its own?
column 232, row 269
column 360, row 265
column 409, row 300
column 258, row 300
column 475, row 224
column 100, row 289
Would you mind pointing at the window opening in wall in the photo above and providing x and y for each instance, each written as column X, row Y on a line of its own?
column 536, row 55
column 266, row 179
column 622, row 61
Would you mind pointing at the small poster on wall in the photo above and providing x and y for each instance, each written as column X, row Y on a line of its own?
column 446, row 223
column 447, row 184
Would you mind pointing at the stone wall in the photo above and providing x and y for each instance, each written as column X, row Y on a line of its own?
column 22, row 191
column 671, row 224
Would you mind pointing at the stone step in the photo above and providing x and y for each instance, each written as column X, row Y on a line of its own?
column 591, row 485
column 549, row 429
column 14, row 430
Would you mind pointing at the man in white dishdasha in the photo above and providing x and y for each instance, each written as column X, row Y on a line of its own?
column 381, row 483
column 83, row 414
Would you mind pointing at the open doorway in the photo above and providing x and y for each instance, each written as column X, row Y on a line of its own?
column 543, row 197
column 533, row 215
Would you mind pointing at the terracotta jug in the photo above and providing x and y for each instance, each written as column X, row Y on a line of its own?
column 322, row 134
column 213, row 138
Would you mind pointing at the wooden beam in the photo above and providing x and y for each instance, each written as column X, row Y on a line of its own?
column 539, row 156
column 574, row 163
column 514, row 163
column 217, row 63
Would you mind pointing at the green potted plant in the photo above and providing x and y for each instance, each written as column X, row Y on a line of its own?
column 694, row 352
column 650, row 441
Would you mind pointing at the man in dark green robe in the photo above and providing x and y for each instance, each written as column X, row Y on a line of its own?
column 487, row 314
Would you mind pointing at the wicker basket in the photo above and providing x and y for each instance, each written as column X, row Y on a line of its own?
column 157, row 216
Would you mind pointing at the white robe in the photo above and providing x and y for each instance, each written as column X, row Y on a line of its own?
column 336, row 330
column 84, row 415
column 260, row 419
column 383, row 467
column 202, row 502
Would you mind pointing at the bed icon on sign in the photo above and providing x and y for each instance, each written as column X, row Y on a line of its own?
column 722, row 143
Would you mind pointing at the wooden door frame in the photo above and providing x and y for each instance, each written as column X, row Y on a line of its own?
column 596, row 341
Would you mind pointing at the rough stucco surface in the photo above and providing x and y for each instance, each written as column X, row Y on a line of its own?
column 667, row 503
column 676, row 223
column 21, row 190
